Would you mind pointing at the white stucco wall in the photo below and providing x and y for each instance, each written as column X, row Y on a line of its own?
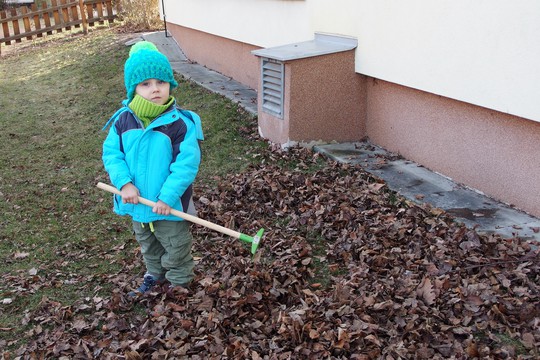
column 484, row 52
column 264, row 23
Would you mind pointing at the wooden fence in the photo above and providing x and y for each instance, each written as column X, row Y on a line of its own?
column 26, row 23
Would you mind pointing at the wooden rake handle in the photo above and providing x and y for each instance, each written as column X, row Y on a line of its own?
column 180, row 214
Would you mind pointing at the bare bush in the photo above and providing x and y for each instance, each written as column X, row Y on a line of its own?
column 140, row 15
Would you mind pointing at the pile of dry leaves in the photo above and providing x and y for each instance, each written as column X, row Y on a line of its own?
column 346, row 270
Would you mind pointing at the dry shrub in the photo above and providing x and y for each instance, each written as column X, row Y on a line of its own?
column 141, row 15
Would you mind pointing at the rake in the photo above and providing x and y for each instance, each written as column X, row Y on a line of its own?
column 253, row 240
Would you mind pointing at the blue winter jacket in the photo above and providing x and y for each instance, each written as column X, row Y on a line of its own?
column 161, row 160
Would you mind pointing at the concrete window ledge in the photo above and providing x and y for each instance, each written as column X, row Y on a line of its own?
column 322, row 44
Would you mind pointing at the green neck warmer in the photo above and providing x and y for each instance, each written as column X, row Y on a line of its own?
column 147, row 110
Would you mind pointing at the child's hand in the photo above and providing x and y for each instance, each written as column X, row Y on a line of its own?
column 130, row 194
column 161, row 208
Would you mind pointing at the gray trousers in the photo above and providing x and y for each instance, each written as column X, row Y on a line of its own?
column 166, row 250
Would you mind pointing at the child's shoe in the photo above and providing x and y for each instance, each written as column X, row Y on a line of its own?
column 149, row 282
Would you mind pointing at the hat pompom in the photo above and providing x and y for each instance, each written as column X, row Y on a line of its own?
column 142, row 45
column 146, row 62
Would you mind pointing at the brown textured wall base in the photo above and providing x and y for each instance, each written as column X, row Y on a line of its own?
column 228, row 57
column 487, row 150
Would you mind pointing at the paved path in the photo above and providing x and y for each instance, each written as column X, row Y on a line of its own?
column 409, row 179
column 421, row 185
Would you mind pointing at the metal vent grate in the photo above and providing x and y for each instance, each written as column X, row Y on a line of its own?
column 272, row 86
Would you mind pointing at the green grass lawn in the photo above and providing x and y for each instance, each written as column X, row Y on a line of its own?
column 58, row 235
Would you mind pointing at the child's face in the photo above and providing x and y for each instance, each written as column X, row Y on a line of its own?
column 154, row 90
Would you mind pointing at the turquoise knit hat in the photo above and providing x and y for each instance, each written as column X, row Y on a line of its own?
column 146, row 62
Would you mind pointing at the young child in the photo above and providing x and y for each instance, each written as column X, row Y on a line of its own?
column 152, row 150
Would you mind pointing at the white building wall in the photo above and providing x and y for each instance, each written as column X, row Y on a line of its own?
column 264, row 23
column 483, row 52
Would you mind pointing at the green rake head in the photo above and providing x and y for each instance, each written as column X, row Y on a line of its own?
column 254, row 241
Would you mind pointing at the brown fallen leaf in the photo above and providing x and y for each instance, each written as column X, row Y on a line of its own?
column 425, row 291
